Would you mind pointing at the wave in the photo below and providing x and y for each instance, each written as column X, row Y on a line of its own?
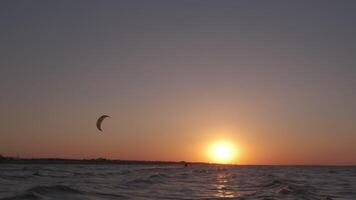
column 53, row 189
column 158, row 176
column 23, row 197
column 111, row 196
column 193, row 182
column 272, row 184
column 15, row 177
column 39, row 192
column 302, row 191
column 59, row 192
column 140, row 182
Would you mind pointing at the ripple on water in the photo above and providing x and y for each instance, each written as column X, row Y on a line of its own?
column 172, row 182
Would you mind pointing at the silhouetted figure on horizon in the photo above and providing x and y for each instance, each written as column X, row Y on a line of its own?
column 184, row 163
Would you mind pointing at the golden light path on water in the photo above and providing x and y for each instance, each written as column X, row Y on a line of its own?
column 221, row 187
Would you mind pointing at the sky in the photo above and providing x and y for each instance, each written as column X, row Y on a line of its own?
column 277, row 79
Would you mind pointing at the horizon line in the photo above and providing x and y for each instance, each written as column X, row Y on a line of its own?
column 102, row 160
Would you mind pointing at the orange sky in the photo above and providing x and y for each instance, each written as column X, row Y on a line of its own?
column 275, row 79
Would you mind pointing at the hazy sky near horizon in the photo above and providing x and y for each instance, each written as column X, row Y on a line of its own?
column 277, row 78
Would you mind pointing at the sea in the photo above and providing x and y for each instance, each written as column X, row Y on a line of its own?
column 196, row 181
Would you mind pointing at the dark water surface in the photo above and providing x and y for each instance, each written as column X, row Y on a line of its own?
column 99, row 182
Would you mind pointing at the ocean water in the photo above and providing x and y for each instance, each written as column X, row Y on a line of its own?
column 99, row 182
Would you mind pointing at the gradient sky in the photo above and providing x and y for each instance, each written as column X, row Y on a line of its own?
column 277, row 78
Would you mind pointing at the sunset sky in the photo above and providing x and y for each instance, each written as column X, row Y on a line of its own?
column 274, row 79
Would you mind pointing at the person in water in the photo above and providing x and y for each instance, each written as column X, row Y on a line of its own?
column 184, row 163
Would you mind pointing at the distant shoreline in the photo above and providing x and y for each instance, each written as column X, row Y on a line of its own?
column 14, row 160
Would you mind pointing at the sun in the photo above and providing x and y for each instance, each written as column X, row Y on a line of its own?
column 222, row 152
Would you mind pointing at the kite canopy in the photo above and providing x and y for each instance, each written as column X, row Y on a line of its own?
column 100, row 121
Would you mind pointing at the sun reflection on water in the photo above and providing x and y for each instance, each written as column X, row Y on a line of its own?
column 222, row 187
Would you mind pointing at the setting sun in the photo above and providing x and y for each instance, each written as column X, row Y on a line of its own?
column 223, row 152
